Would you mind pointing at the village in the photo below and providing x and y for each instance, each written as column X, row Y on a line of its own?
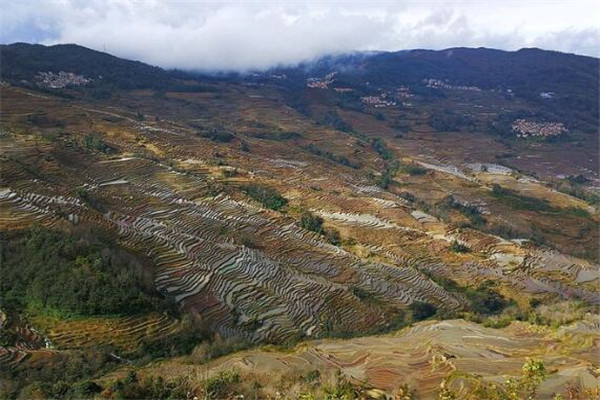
column 378, row 101
column 439, row 84
column 524, row 128
column 321, row 83
column 61, row 80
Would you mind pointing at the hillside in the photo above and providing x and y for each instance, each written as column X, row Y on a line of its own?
column 22, row 61
column 283, row 207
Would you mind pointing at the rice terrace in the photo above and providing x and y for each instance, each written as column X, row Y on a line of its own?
column 413, row 224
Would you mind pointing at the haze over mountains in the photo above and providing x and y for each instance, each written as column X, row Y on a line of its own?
column 372, row 225
column 241, row 36
column 525, row 73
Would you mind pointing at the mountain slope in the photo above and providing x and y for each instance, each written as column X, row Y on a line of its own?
column 22, row 61
column 251, row 222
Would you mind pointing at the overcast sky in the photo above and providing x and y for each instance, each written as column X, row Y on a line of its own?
column 244, row 35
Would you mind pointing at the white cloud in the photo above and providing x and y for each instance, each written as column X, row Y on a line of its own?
column 245, row 35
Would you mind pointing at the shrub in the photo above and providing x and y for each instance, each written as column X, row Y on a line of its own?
column 457, row 247
column 422, row 310
column 220, row 386
column 93, row 142
column 413, row 170
column 277, row 135
column 247, row 239
column 288, row 135
column 150, row 388
column 83, row 273
column 333, row 119
column 380, row 146
column 475, row 217
column 333, row 237
column 362, row 293
column 313, row 149
column 483, row 300
column 385, row 179
column 312, row 376
column 311, row 222
column 560, row 313
column 343, row 389
column 450, row 122
column 218, row 135
column 520, row 202
column 267, row 196
column 216, row 347
column 533, row 374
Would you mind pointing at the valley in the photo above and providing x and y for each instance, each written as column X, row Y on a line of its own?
column 301, row 233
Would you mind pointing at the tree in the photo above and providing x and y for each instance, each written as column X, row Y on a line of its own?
column 311, row 222
column 269, row 197
column 422, row 310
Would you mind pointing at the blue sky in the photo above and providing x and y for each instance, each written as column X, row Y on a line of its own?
column 242, row 35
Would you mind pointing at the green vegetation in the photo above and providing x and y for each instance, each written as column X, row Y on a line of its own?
column 484, row 300
column 277, row 135
column 267, row 196
column 313, row 149
column 182, row 343
column 216, row 347
column 559, row 312
column 412, row 169
column 391, row 164
column 244, row 146
column 577, row 212
column 116, row 73
column 78, row 273
column 520, row 202
column 386, row 178
column 43, row 120
column 450, row 122
column 574, row 186
column 421, row 310
column 130, row 387
column 314, row 223
column 528, row 203
column 343, row 389
column 380, row 146
column 134, row 388
column 362, row 293
column 217, row 135
column 332, row 118
column 476, row 219
column 457, row 247
column 94, row 142
column 67, row 377
column 220, row 386
column 333, row 237
column 533, row 374
column 311, row 222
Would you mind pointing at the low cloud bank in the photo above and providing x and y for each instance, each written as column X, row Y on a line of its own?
column 242, row 36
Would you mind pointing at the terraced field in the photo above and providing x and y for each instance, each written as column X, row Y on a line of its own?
column 173, row 196
column 421, row 356
column 123, row 333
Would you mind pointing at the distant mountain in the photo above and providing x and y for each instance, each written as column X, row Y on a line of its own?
column 572, row 80
column 21, row 61
column 486, row 68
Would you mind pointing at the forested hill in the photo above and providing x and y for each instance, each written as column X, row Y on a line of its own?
column 487, row 68
column 571, row 80
column 22, row 61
